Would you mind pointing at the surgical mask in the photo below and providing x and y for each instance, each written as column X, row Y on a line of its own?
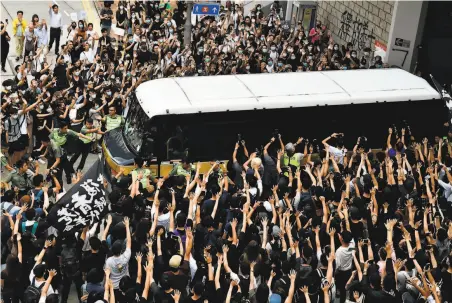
column 143, row 40
column 366, row 53
column 14, row 116
column 290, row 50
column 108, row 93
column 292, row 57
column 240, row 51
column 49, row 110
column 264, row 50
column 157, row 18
column 41, row 107
column 121, row 7
column 309, row 48
column 263, row 38
column 77, row 73
column 309, row 58
column 273, row 48
column 80, row 25
column 207, row 59
column 270, row 63
column 148, row 21
column 354, row 55
column 171, row 30
column 95, row 106
column 93, row 96
column 247, row 67
column 168, row 23
column 336, row 48
column 258, row 8
column 200, row 50
column 280, row 64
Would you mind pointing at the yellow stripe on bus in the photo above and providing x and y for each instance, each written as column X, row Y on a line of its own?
column 165, row 169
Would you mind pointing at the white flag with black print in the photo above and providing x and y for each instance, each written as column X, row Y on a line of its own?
column 83, row 205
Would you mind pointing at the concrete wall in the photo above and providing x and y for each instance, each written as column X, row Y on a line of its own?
column 406, row 33
column 354, row 21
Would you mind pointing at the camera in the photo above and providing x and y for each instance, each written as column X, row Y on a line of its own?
column 275, row 133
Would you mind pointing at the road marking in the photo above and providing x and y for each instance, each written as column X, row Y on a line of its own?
column 66, row 13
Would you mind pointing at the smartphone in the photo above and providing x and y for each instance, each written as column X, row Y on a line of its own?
column 6, row 20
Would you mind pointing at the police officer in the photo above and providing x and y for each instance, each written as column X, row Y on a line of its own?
column 290, row 157
column 58, row 138
column 112, row 120
column 90, row 132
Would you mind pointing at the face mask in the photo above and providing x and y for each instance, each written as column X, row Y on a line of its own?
column 168, row 23
column 258, row 8
column 41, row 107
column 148, row 21
column 108, row 93
column 290, row 50
column 353, row 55
column 49, row 110
column 157, row 17
column 253, row 20
column 121, row 7
column 143, row 40
column 93, row 96
column 247, row 67
column 280, row 64
column 273, row 48
column 207, row 60
column 171, row 30
column 309, row 58
column 240, row 51
column 95, row 106
column 366, row 53
column 77, row 73
column 200, row 50
column 292, row 57
column 309, row 48
column 80, row 25
column 270, row 63
column 14, row 116
column 264, row 50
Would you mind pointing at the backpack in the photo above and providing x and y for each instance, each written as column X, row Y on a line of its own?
column 33, row 293
column 70, row 263
column 33, row 230
column 323, row 279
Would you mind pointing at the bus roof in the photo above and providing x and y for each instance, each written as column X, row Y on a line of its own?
column 186, row 95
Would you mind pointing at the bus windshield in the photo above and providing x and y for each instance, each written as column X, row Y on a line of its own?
column 136, row 125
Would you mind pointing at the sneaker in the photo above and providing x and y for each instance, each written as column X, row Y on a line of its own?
column 3, row 70
column 57, row 54
column 68, row 181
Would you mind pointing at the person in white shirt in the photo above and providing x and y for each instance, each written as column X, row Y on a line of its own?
column 37, row 274
column 88, row 54
column 56, row 26
column 43, row 40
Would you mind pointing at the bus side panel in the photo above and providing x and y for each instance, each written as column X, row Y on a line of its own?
column 213, row 135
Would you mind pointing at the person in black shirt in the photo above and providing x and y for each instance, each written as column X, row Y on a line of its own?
column 106, row 14
column 5, row 38
column 60, row 73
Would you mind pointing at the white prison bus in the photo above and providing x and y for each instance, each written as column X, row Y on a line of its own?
column 201, row 116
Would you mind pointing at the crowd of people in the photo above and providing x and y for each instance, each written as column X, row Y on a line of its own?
column 286, row 225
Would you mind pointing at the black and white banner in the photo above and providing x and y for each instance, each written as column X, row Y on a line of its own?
column 82, row 205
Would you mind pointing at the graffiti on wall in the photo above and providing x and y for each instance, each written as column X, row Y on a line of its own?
column 356, row 31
